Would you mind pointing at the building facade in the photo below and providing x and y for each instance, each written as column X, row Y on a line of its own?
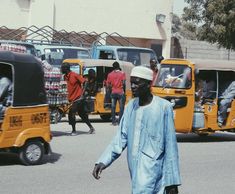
column 134, row 19
column 194, row 49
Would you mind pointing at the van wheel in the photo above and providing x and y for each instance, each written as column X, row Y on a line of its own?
column 32, row 153
column 105, row 117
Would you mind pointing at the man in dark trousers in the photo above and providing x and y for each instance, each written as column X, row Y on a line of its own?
column 147, row 131
column 75, row 89
column 117, row 82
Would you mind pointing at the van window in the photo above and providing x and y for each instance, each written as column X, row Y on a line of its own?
column 107, row 54
column 55, row 56
column 174, row 76
column 135, row 56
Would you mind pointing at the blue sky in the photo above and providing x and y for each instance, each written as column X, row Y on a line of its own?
column 179, row 6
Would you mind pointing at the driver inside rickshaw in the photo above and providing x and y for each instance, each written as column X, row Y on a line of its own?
column 5, row 88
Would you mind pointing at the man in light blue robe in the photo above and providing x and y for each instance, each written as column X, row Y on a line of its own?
column 147, row 130
column 227, row 97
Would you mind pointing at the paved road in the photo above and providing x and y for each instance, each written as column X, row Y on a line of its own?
column 207, row 165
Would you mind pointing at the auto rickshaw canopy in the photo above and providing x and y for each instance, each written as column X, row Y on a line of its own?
column 205, row 64
column 27, row 78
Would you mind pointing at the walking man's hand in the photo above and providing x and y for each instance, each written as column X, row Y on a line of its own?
column 97, row 170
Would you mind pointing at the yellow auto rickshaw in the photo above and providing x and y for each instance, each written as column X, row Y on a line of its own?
column 97, row 103
column 196, row 106
column 24, row 115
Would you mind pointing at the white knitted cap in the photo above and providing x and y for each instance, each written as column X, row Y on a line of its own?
column 142, row 72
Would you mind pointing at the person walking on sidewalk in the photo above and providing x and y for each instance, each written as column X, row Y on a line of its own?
column 75, row 89
column 117, row 82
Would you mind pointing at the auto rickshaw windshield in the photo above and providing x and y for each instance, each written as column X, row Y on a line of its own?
column 174, row 76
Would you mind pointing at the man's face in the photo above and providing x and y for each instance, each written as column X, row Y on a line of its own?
column 64, row 69
column 91, row 74
column 139, row 87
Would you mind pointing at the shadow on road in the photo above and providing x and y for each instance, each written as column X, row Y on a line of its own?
column 53, row 158
column 93, row 120
column 216, row 137
column 8, row 159
column 61, row 133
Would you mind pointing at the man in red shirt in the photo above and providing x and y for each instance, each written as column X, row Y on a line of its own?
column 116, row 80
column 75, row 95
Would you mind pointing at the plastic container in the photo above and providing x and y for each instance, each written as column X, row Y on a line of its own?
column 198, row 120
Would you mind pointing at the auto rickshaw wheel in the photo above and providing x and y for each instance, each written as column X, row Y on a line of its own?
column 32, row 152
column 105, row 117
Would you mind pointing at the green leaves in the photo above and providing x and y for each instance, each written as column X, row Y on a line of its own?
column 215, row 20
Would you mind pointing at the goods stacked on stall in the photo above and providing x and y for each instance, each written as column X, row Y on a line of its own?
column 56, row 90
column 12, row 47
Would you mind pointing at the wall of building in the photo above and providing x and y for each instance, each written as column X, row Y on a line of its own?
column 183, row 48
column 130, row 18
column 42, row 13
column 14, row 13
column 135, row 18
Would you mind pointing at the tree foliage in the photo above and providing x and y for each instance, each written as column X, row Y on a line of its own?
column 215, row 20
column 176, row 24
column 183, row 29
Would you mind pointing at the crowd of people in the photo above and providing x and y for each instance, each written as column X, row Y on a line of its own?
column 80, row 88
column 145, row 124
column 115, row 85
column 150, row 140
